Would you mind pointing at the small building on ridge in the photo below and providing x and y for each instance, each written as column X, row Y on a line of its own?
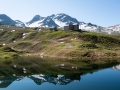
column 72, row 27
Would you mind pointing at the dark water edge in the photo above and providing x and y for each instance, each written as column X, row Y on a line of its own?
column 36, row 65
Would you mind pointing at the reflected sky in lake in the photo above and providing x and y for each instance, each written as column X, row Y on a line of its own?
column 105, row 79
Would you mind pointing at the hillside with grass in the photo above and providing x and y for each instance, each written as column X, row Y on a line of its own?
column 61, row 44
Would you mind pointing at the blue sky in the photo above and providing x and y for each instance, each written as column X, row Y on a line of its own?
column 101, row 12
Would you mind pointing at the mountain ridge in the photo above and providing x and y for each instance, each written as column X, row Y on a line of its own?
column 58, row 20
column 6, row 20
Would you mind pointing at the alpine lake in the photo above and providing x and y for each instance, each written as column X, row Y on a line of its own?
column 33, row 73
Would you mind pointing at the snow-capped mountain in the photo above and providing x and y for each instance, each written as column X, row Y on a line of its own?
column 90, row 27
column 58, row 20
column 61, row 20
column 6, row 20
column 46, row 22
column 35, row 19
column 19, row 23
column 53, row 15
column 113, row 29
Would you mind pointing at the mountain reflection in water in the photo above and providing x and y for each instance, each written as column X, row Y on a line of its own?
column 40, row 79
column 116, row 67
column 108, row 80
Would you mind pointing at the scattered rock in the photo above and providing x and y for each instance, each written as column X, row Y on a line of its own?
column 73, row 67
column 60, row 39
column 62, row 65
column 68, row 45
column 24, row 34
column 23, row 37
column 14, row 41
column 24, row 69
column 72, row 39
column 4, row 44
column 14, row 75
column 62, row 42
column 24, row 72
column 39, row 29
column 56, row 65
column 14, row 66
column 12, row 30
column 41, row 55
column 1, row 29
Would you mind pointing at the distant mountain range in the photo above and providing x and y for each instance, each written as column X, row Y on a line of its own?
column 40, row 79
column 58, row 20
column 6, row 20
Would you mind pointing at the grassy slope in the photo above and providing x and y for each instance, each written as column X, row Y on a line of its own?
column 70, row 44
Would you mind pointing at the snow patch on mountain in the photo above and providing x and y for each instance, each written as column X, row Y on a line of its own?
column 63, row 19
column 35, row 24
column 90, row 27
column 59, row 23
column 46, row 22
column 19, row 23
column 35, row 19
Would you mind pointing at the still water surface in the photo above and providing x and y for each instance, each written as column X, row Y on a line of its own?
column 104, row 79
